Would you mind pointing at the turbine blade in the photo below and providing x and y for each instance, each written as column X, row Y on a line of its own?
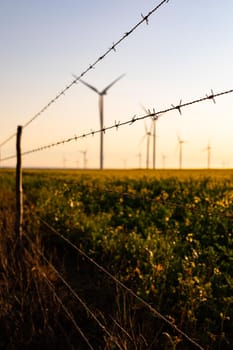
column 101, row 111
column 151, row 127
column 148, row 140
column 142, row 140
column 90, row 86
column 104, row 91
column 144, row 108
column 177, row 147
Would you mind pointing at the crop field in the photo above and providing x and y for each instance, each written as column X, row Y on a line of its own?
column 167, row 235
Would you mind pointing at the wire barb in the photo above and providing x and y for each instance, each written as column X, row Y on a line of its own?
column 133, row 120
column 113, row 47
column 178, row 107
column 145, row 18
column 117, row 125
column 211, row 97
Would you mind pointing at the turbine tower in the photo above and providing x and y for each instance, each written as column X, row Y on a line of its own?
column 154, row 120
column 84, row 158
column 154, row 142
column 139, row 155
column 101, row 112
column 208, row 149
column 180, row 145
column 164, row 157
column 147, row 135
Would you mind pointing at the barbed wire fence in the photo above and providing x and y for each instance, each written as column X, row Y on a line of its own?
column 34, row 249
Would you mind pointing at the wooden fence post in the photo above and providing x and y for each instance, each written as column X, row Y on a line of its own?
column 19, row 187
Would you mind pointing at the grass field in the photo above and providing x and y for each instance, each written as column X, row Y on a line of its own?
column 166, row 234
column 135, row 173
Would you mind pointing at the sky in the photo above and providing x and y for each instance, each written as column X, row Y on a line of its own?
column 183, row 52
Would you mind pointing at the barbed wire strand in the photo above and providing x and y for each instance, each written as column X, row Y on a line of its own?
column 69, row 315
column 91, row 66
column 154, row 115
column 72, row 291
column 153, row 311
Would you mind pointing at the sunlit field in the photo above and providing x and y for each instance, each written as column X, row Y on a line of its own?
column 135, row 173
column 165, row 234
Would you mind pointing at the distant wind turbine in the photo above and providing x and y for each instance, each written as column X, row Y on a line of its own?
column 164, row 157
column 84, row 158
column 147, row 135
column 139, row 155
column 180, row 145
column 208, row 149
column 154, row 142
column 153, row 134
column 101, row 112
column 124, row 163
column 64, row 162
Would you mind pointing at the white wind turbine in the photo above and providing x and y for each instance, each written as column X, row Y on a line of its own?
column 154, row 142
column 84, row 158
column 64, row 162
column 139, row 155
column 153, row 127
column 208, row 149
column 180, row 145
column 101, row 94
column 164, row 157
column 147, row 136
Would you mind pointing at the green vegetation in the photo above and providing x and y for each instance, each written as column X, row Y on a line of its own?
column 166, row 235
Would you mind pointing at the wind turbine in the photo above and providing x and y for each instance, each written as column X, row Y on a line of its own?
column 139, row 155
column 154, row 119
column 208, row 149
column 147, row 135
column 84, row 158
column 64, row 162
column 124, row 163
column 180, row 145
column 154, row 142
column 164, row 157
column 101, row 94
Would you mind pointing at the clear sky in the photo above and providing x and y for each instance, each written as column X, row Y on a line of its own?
column 185, row 51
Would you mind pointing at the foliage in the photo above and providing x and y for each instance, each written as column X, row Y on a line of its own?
column 168, row 239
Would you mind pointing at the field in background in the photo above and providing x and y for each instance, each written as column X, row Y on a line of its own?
column 158, row 173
